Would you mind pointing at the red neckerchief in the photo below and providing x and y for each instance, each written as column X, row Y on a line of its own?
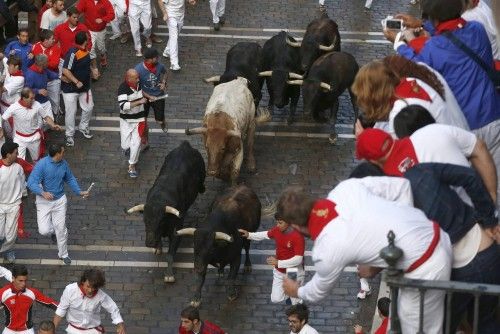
column 401, row 158
column 21, row 102
column 126, row 6
column 151, row 67
column 418, row 43
column 450, row 25
column 17, row 73
column 409, row 88
column 85, row 295
column 322, row 213
column 36, row 68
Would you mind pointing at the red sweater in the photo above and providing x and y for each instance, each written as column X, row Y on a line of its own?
column 53, row 54
column 66, row 37
column 101, row 10
column 18, row 304
column 288, row 244
column 206, row 328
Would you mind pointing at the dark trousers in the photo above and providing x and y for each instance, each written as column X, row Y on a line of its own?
column 484, row 268
column 158, row 108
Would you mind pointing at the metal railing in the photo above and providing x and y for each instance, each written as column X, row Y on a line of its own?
column 395, row 280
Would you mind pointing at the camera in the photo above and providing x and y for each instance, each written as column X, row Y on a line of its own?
column 394, row 24
column 291, row 273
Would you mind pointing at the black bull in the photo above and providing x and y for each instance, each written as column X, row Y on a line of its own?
column 219, row 243
column 181, row 178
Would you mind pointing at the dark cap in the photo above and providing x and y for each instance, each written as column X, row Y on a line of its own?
column 150, row 53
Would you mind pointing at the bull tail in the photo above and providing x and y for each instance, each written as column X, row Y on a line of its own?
column 263, row 115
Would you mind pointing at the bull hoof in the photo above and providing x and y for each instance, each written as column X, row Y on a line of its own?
column 169, row 279
column 195, row 303
column 332, row 139
column 247, row 269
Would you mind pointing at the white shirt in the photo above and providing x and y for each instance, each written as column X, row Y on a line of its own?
column 12, row 185
column 26, row 120
column 357, row 235
column 13, row 86
column 306, row 330
column 50, row 21
column 83, row 311
column 444, row 112
column 483, row 14
column 4, row 272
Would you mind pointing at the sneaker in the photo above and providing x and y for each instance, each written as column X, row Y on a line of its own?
column 217, row 26
column 175, row 67
column 10, row 256
column 86, row 133
column 138, row 53
column 70, row 142
column 166, row 54
column 53, row 238
column 132, row 173
column 104, row 61
column 66, row 260
column 156, row 39
column 149, row 43
column 362, row 294
column 124, row 39
column 115, row 36
column 222, row 20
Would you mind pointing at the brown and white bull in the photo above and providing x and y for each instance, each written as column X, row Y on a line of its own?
column 229, row 121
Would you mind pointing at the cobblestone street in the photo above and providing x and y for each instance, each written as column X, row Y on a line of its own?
column 102, row 235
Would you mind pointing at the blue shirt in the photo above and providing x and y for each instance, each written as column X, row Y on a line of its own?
column 470, row 84
column 20, row 50
column 150, row 82
column 37, row 81
column 51, row 176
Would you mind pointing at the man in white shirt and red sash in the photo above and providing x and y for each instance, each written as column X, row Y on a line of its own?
column 351, row 226
column 27, row 132
column 81, row 304
column 12, row 185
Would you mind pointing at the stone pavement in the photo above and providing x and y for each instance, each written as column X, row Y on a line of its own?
column 102, row 235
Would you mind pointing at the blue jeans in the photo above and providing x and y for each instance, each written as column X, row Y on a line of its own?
column 484, row 268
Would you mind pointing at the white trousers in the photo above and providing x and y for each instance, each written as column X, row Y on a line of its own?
column 98, row 43
column 436, row 268
column 174, row 28
column 72, row 330
column 31, row 144
column 54, row 89
column 119, row 16
column 131, row 139
column 9, row 213
column 139, row 11
column 28, row 331
column 71, row 105
column 51, row 218
column 217, row 7
column 277, row 293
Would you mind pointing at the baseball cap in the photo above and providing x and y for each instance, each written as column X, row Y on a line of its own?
column 373, row 144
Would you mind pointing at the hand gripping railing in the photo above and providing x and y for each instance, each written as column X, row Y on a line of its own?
column 395, row 280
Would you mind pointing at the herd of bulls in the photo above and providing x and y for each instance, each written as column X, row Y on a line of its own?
column 230, row 119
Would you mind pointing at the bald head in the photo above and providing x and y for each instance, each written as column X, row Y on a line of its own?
column 131, row 74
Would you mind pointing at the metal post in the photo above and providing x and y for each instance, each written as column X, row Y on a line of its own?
column 391, row 254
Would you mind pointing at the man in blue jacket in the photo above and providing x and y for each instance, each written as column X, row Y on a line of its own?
column 47, row 182
column 37, row 77
column 474, row 90
column 21, row 48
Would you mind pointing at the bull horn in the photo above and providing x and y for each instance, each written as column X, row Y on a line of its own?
column 328, row 48
column 291, row 43
column 215, row 78
column 293, row 75
column 136, row 208
column 223, row 236
column 295, row 82
column 174, row 211
column 265, row 74
column 326, row 86
column 195, row 131
column 186, row 231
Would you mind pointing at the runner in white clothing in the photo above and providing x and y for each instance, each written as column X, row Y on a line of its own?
column 351, row 226
column 139, row 12
column 173, row 13
column 218, row 8
column 13, row 83
column 81, row 305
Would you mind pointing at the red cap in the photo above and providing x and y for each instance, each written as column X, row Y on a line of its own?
column 322, row 213
column 373, row 144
